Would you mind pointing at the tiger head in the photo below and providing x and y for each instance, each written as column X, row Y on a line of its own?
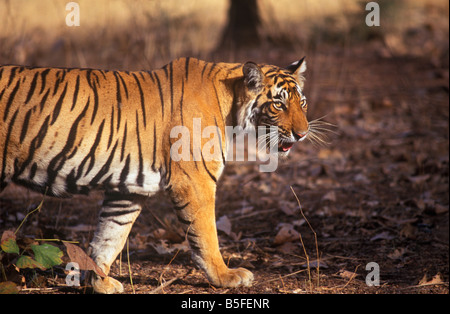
column 275, row 98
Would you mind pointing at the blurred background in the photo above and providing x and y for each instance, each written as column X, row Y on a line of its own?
column 378, row 191
column 147, row 34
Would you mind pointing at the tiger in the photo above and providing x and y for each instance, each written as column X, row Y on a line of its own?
column 67, row 131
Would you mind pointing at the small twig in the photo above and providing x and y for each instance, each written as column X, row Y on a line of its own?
column 315, row 239
column 34, row 210
column 278, row 278
column 129, row 265
column 57, row 240
column 352, row 277
column 164, row 285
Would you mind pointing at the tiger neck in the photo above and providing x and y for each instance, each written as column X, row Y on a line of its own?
column 237, row 104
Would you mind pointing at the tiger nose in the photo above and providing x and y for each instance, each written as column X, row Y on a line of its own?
column 299, row 135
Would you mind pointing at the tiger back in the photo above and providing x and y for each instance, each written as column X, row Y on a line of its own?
column 68, row 131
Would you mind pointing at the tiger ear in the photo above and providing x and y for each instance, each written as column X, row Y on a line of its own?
column 253, row 76
column 298, row 68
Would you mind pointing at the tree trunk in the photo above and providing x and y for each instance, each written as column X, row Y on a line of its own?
column 242, row 27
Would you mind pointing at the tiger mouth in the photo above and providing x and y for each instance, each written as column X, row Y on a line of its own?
column 285, row 146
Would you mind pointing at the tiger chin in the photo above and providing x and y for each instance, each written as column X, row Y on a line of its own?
column 66, row 131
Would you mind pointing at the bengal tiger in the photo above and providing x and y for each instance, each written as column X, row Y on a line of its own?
column 66, row 131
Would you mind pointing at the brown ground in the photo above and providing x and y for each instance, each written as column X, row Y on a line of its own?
column 379, row 192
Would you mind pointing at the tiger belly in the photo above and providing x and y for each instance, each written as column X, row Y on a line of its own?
column 74, row 178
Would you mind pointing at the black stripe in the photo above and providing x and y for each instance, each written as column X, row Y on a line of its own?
column 111, row 131
column 5, row 148
column 171, row 87
column 12, row 75
column 154, row 146
column 123, row 176
column 58, row 161
column 124, row 142
column 2, row 93
column 35, row 144
column 32, row 171
column 178, row 208
column 94, row 111
column 58, row 105
column 75, row 94
column 204, row 68
column 10, row 100
column 118, row 96
column 140, row 177
column 207, row 170
column 193, row 244
column 168, row 173
column 32, row 87
column 151, row 76
column 117, row 203
column 108, row 214
column 160, row 94
column 43, row 101
column 44, row 79
column 91, row 155
column 141, row 94
column 184, row 221
column 123, row 84
column 181, row 101
column 58, row 81
column 186, row 67
column 192, row 234
column 212, row 68
column 105, row 168
column 25, row 124
column 119, row 100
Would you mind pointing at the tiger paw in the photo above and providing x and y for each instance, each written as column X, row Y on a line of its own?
column 106, row 285
column 235, row 277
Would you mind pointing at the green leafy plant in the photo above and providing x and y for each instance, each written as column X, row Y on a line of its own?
column 17, row 255
column 31, row 254
column 34, row 255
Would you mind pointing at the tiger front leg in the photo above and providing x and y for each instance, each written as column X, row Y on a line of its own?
column 196, row 212
column 117, row 216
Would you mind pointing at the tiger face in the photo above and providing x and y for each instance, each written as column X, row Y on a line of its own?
column 277, row 99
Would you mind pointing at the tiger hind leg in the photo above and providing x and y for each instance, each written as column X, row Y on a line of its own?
column 117, row 216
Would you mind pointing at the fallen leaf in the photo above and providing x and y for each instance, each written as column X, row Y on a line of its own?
column 287, row 233
column 347, row 274
column 397, row 254
column 77, row 255
column 436, row 280
column 330, row 196
column 8, row 242
column 224, row 224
